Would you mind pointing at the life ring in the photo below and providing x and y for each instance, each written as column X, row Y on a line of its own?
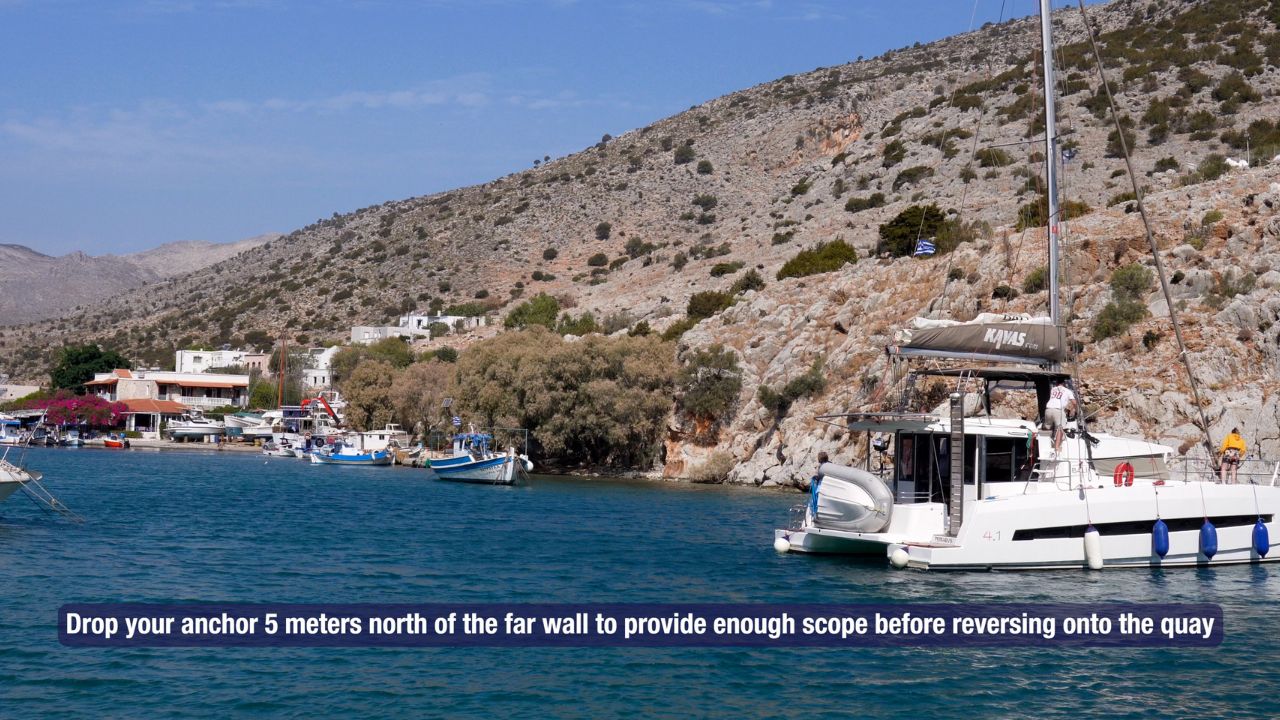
column 1123, row 474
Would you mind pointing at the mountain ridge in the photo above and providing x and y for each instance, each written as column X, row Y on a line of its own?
column 36, row 286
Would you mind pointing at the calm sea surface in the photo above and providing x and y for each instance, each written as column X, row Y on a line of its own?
column 187, row 527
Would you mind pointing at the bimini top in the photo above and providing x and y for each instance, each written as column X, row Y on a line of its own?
column 990, row 337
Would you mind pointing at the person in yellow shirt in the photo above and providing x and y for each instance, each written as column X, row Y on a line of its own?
column 1232, row 453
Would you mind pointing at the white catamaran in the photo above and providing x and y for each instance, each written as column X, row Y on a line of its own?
column 982, row 493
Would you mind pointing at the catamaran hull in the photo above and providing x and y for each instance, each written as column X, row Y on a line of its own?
column 1040, row 532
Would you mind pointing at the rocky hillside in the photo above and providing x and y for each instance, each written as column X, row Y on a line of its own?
column 36, row 286
column 633, row 226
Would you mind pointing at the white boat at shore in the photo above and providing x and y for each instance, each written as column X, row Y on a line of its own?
column 193, row 425
column 473, row 461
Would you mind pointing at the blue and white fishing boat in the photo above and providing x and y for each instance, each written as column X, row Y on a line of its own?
column 341, row 453
column 474, row 461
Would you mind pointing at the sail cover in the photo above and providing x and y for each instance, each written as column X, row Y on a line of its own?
column 991, row 337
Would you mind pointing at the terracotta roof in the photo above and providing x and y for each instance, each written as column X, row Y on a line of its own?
column 121, row 372
column 147, row 405
column 106, row 381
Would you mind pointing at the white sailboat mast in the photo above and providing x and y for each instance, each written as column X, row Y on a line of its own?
column 1051, row 155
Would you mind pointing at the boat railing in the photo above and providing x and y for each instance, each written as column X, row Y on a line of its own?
column 797, row 516
column 1252, row 470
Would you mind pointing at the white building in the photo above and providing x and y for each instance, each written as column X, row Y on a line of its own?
column 193, row 390
column 317, row 374
column 198, row 361
column 413, row 326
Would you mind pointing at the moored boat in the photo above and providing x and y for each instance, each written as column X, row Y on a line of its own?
column 343, row 454
column 473, row 461
column 115, row 440
column 195, row 426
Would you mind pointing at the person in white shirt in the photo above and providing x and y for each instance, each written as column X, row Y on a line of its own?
column 1061, row 401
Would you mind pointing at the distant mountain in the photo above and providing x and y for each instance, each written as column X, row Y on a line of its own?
column 38, row 286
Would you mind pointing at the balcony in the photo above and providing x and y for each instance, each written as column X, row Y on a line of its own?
column 207, row 403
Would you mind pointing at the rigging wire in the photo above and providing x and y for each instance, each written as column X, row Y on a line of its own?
column 973, row 153
column 1151, row 240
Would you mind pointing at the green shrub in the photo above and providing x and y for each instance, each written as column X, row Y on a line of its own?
column 582, row 325
column 1117, row 317
column 856, row 204
column 1123, row 197
column 955, row 273
column 749, row 280
column 707, row 303
column 912, row 175
column 598, row 260
column 1033, row 214
column 541, row 309
column 894, row 153
column 1212, row 167
column 994, row 157
column 678, row 328
column 704, row 168
column 1211, row 217
column 706, row 201
column 800, row 188
column 708, row 386
column 549, row 254
column 679, row 261
column 1036, row 281
column 898, row 236
column 636, row 247
column 1131, row 282
column 725, row 268
column 684, row 155
column 1003, row 292
column 603, row 230
column 808, row 384
column 826, row 257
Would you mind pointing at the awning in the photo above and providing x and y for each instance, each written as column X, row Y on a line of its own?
column 107, row 381
column 204, row 384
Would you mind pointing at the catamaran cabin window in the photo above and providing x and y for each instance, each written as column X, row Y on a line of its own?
column 1006, row 459
column 922, row 463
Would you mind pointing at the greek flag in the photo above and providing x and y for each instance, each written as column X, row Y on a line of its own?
column 925, row 247
column 457, row 421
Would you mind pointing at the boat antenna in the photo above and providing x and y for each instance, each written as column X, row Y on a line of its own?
column 1146, row 226
column 1050, row 156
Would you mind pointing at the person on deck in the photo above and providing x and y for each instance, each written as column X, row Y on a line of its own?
column 1233, row 449
column 815, row 484
column 1061, row 401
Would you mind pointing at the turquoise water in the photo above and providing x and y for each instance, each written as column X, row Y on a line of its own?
column 187, row 527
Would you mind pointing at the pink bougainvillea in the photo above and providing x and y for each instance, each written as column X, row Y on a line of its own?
column 65, row 408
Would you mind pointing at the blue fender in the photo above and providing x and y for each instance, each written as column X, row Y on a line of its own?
column 1208, row 539
column 1160, row 538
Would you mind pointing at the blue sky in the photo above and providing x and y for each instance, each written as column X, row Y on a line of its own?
column 127, row 124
